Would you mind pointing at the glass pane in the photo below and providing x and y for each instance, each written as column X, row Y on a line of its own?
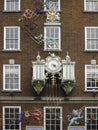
column 12, row 5
column 91, row 118
column 53, row 122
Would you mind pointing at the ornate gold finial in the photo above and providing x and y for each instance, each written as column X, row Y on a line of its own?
column 68, row 58
column 38, row 57
column 52, row 55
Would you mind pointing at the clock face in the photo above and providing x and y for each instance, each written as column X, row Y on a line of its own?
column 53, row 65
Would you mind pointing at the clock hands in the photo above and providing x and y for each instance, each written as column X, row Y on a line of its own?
column 53, row 65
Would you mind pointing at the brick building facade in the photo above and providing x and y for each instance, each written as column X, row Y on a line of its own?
column 66, row 96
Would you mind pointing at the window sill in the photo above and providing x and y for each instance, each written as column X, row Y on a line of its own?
column 52, row 23
column 11, row 50
column 53, row 50
column 88, row 91
column 5, row 11
column 90, row 51
column 45, row 10
column 14, row 91
column 90, row 11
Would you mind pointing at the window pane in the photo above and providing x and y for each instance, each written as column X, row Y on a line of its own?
column 52, row 121
column 12, row 39
column 91, row 38
column 9, row 118
column 91, row 117
column 12, row 5
column 12, row 76
column 91, row 77
column 91, row 5
column 52, row 37
column 52, row 5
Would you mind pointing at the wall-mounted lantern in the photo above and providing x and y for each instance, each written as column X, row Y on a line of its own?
column 38, row 79
column 68, row 74
column 93, row 63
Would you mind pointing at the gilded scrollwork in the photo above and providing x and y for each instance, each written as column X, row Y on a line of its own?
column 52, row 16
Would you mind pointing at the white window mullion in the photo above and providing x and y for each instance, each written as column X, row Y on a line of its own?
column 5, row 4
column 52, row 5
column 91, row 114
column 91, row 5
column 4, row 76
column 52, row 34
column 85, row 38
column 19, row 77
column 59, row 37
column 91, row 38
column 11, row 77
column 12, row 5
column 8, row 116
column 54, row 113
column 11, row 38
column 91, row 76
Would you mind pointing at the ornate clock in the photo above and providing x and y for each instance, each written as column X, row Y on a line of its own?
column 53, row 64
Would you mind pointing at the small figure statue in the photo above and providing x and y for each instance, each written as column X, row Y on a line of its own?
column 77, row 115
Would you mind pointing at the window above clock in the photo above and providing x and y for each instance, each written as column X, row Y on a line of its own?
column 52, row 36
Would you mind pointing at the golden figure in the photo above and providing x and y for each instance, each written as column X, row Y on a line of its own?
column 53, row 16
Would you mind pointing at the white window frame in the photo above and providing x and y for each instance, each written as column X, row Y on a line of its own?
column 12, row 38
column 93, row 46
column 52, row 39
column 92, row 7
column 11, row 6
column 87, row 117
column 46, row 4
column 51, row 108
column 92, row 72
column 10, row 107
column 19, row 78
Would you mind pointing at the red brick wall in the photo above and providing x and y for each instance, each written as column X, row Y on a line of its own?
column 73, row 21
